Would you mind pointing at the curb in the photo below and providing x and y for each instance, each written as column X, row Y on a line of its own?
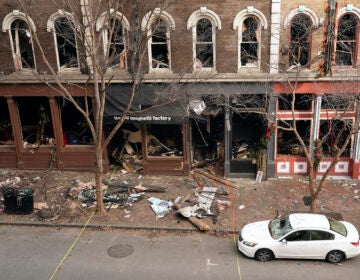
column 103, row 227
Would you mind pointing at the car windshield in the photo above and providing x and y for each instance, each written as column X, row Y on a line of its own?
column 280, row 226
column 337, row 226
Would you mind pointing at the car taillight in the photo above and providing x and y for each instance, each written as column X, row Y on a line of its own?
column 355, row 243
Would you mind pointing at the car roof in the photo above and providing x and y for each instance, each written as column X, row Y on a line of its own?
column 308, row 220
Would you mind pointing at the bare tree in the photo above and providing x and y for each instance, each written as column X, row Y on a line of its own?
column 77, row 34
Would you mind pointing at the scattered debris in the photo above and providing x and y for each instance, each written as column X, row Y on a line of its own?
column 160, row 207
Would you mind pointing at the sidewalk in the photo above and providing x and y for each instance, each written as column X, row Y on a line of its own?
column 248, row 202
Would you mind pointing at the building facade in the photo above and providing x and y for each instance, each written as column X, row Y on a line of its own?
column 225, row 65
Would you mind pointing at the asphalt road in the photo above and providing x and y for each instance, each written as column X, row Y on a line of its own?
column 36, row 253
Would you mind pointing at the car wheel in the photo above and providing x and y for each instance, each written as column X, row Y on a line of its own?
column 264, row 255
column 335, row 256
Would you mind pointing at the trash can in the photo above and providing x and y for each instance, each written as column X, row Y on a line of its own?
column 18, row 201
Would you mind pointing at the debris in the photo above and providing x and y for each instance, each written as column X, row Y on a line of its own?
column 160, row 207
column 195, row 221
column 215, row 178
column 40, row 205
column 241, row 207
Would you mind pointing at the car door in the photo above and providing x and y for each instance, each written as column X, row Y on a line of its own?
column 294, row 245
column 321, row 243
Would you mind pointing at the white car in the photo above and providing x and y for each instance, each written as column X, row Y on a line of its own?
column 303, row 235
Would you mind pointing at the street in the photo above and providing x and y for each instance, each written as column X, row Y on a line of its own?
column 36, row 252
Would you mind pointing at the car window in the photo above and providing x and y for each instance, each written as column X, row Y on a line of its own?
column 321, row 235
column 337, row 226
column 280, row 226
column 300, row 235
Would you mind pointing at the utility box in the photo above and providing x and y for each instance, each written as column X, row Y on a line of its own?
column 18, row 201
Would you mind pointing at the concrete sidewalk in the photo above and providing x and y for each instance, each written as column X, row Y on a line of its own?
column 248, row 202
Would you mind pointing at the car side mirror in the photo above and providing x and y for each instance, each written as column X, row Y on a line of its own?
column 284, row 241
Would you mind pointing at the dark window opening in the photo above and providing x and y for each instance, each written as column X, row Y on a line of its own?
column 76, row 130
column 303, row 102
column 159, row 44
column 66, row 43
column 346, row 40
column 299, row 49
column 333, row 134
column 287, row 143
column 22, row 45
column 35, row 118
column 6, row 133
column 207, row 138
column 164, row 140
column 247, row 132
column 249, row 41
column 204, row 44
column 338, row 101
column 117, row 44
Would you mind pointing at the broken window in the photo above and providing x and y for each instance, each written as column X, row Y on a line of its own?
column 35, row 118
column 117, row 47
column 346, row 40
column 66, row 43
column 338, row 101
column 249, row 42
column 287, row 143
column 76, row 130
column 303, row 102
column 6, row 134
column 160, row 44
column 204, row 45
column 22, row 46
column 299, row 45
column 164, row 140
column 333, row 134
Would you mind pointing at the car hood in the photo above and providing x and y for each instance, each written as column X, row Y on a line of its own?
column 255, row 232
column 352, row 233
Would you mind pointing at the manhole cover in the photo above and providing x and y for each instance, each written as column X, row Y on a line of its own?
column 120, row 251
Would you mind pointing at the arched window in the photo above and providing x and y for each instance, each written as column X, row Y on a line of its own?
column 158, row 25
column 16, row 24
column 66, row 44
column 346, row 44
column 63, row 27
column 114, row 35
column 300, row 38
column 204, row 44
column 159, row 50
column 203, row 23
column 249, row 23
column 250, row 42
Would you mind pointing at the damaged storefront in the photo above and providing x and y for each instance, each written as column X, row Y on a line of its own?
column 40, row 129
column 228, row 128
column 154, row 135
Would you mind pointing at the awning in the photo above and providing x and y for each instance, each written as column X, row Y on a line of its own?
column 151, row 104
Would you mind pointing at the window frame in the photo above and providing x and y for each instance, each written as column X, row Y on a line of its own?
column 308, row 40
column 15, row 49
column 203, row 13
column 101, row 24
column 51, row 28
column 355, row 41
column 146, row 25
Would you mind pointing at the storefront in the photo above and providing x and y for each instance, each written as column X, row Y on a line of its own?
column 321, row 110
column 154, row 136
column 42, row 130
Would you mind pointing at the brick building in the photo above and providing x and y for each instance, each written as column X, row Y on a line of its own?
column 223, row 61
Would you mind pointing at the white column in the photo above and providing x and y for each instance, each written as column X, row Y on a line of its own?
column 275, row 36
